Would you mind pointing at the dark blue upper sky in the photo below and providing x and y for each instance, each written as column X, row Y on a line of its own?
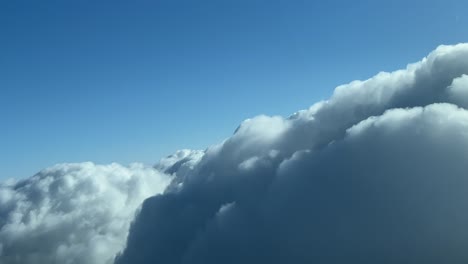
column 127, row 81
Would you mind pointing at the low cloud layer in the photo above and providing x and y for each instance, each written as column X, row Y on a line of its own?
column 375, row 174
column 73, row 213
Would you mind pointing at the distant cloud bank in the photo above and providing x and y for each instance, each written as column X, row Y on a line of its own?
column 375, row 174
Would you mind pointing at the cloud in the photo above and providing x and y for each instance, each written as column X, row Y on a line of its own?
column 458, row 91
column 375, row 174
column 73, row 213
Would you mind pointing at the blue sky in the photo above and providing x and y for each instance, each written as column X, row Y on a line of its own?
column 124, row 81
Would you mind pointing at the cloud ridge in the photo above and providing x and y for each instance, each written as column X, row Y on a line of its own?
column 375, row 174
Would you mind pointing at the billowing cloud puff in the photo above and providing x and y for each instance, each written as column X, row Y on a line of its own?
column 180, row 162
column 73, row 213
column 375, row 174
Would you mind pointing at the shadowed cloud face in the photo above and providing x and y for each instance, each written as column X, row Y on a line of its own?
column 375, row 174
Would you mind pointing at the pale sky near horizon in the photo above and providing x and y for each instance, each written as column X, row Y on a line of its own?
column 133, row 81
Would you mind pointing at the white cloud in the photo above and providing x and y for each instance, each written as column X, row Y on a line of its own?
column 458, row 91
column 73, row 213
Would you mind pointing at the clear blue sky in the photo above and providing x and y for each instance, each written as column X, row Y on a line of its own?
column 128, row 81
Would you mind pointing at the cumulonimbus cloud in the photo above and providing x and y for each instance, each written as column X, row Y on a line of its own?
column 375, row 174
